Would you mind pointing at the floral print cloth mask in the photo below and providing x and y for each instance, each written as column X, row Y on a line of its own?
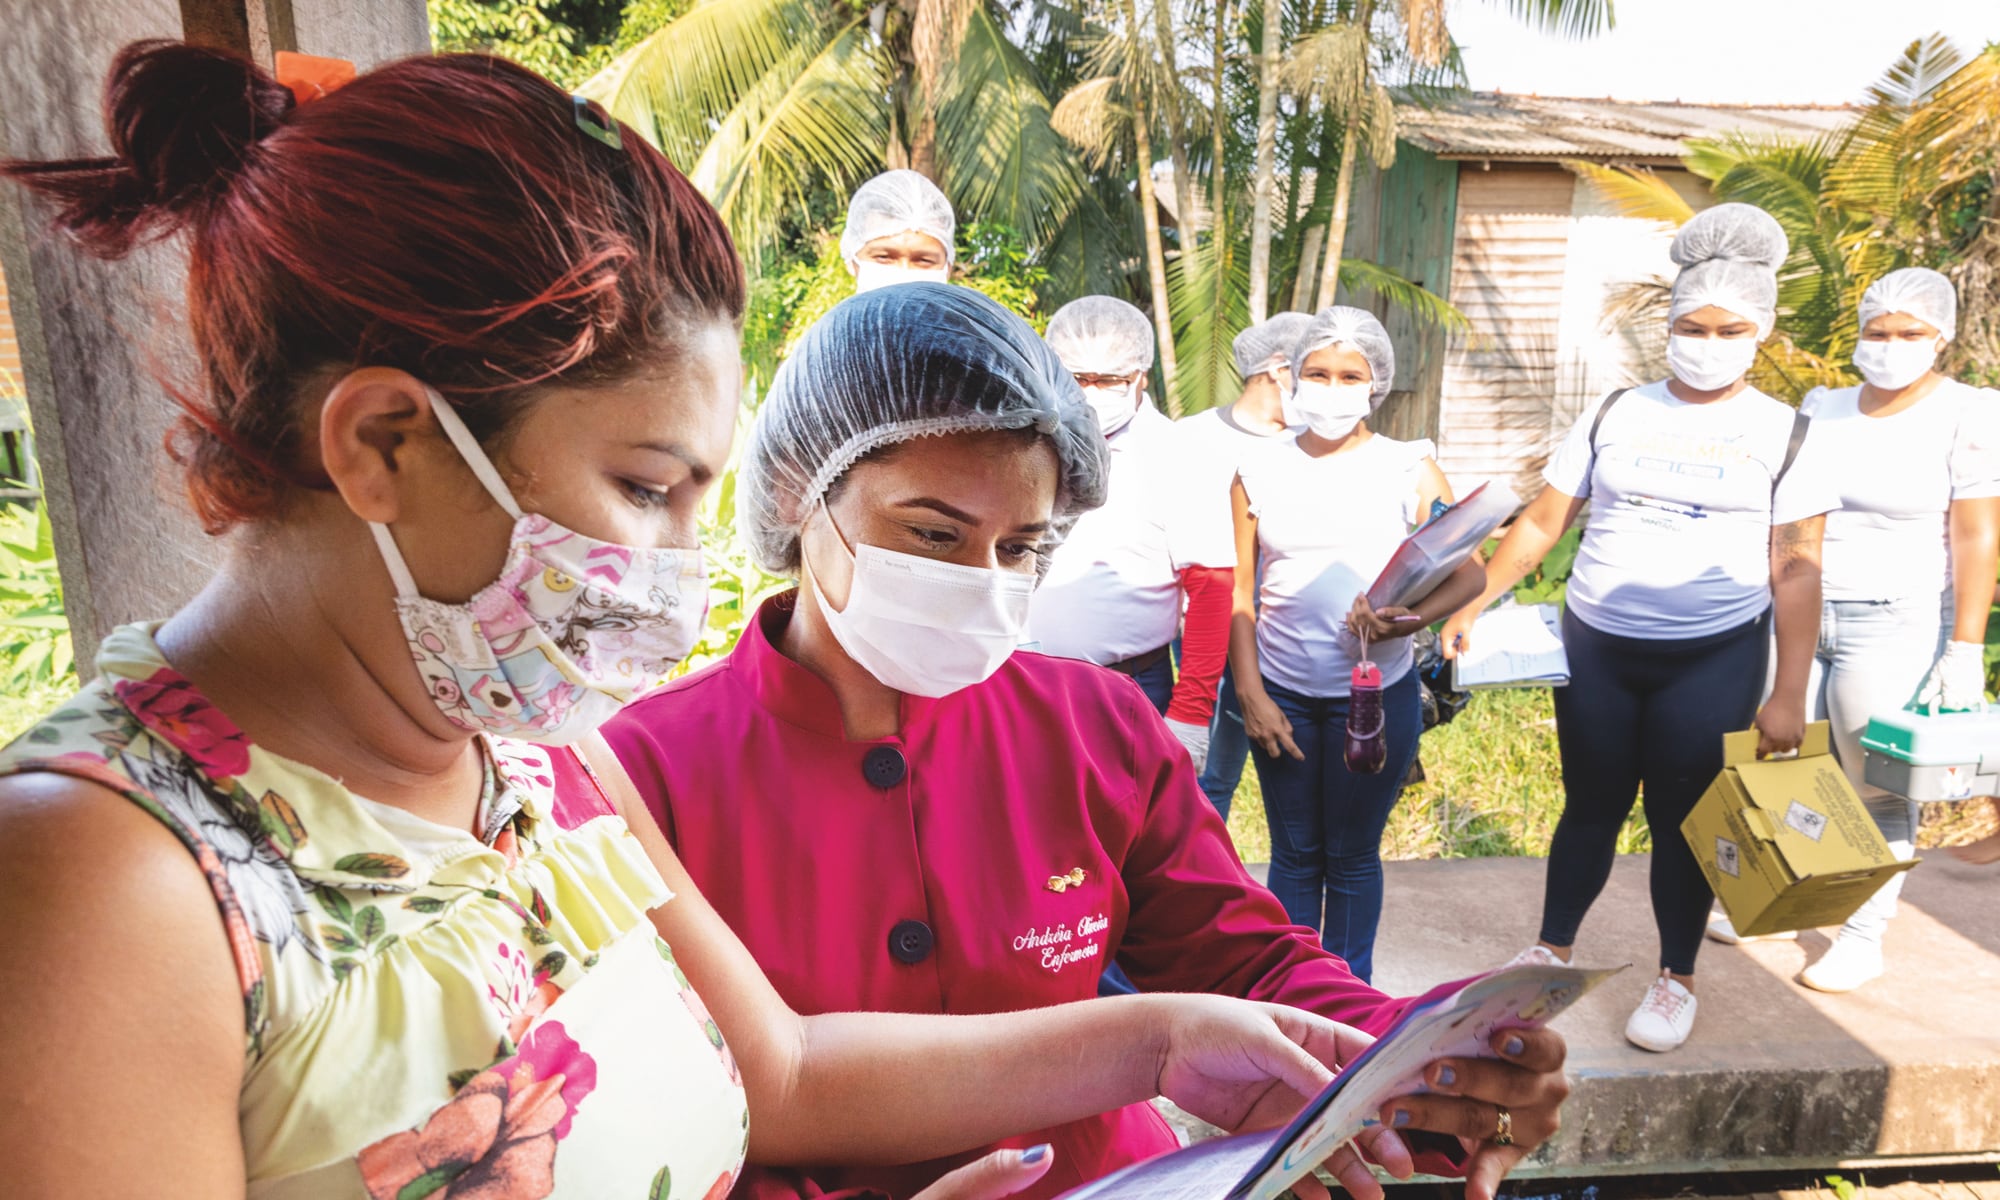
column 572, row 630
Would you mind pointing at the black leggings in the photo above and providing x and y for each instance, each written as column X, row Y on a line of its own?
column 1653, row 712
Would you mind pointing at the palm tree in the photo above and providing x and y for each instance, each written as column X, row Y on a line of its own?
column 1265, row 187
column 1341, row 68
column 1910, row 182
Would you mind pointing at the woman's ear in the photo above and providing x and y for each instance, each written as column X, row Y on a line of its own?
column 374, row 423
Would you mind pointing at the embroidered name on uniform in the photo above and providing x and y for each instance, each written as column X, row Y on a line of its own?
column 1058, row 943
column 1062, row 883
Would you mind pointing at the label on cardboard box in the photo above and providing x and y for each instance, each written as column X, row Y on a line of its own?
column 1794, row 846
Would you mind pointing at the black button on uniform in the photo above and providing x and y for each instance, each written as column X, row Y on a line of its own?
column 884, row 766
column 911, row 941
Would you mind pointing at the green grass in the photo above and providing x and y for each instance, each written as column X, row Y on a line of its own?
column 1494, row 789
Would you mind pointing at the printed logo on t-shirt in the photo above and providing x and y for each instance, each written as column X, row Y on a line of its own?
column 1726, row 860
column 1808, row 821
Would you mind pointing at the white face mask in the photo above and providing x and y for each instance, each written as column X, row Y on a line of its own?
column 871, row 275
column 1892, row 366
column 927, row 628
column 571, row 630
column 1115, row 406
column 1710, row 364
column 1331, row 410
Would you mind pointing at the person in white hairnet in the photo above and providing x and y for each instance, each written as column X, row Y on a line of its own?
column 900, row 229
column 1316, row 518
column 1909, row 562
column 1214, row 442
column 1117, row 588
column 899, row 811
column 1708, row 501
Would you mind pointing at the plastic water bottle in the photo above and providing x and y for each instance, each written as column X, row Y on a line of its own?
column 1366, row 753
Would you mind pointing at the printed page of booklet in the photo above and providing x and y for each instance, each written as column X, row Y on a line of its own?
column 1456, row 1020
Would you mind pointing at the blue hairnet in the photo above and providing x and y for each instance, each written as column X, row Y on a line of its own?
column 887, row 366
column 1267, row 345
column 1729, row 257
column 897, row 202
column 1356, row 328
column 1918, row 292
column 1102, row 335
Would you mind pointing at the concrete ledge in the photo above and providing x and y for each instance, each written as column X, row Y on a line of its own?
column 1776, row 1076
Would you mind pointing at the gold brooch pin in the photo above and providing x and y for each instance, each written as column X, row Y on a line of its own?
column 1062, row 883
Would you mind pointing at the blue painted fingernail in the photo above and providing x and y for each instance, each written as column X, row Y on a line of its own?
column 1514, row 1046
column 1400, row 1118
column 1035, row 1154
column 1447, row 1076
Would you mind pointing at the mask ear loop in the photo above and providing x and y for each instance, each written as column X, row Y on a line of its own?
column 482, row 470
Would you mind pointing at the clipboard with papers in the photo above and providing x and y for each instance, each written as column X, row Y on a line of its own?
column 1515, row 646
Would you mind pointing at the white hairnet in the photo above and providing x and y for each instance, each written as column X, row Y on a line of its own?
column 1101, row 335
column 887, row 366
column 1729, row 257
column 1918, row 292
column 1356, row 328
column 1267, row 345
column 897, row 202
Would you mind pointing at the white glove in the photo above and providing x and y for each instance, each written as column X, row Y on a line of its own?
column 1957, row 681
column 1195, row 738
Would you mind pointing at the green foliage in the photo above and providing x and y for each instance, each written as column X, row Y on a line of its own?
column 34, row 635
column 1549, row 583
column 736, row 585
column 993, row 258
column 565, row 41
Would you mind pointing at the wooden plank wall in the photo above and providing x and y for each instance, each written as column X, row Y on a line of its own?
column 1511, row 248
column 10, row 350
column 1402, row 218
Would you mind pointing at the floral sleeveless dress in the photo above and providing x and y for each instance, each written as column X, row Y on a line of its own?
column 423, row 1016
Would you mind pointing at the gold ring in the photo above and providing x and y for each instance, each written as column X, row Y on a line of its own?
column 1503, row 1132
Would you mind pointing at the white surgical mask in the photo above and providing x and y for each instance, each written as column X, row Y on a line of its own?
column 1894, row 365
column 1331, row 410
column 927, row 628
column 871, row 275
column 1710, row 364
column 571, row 630
column 1115, row 406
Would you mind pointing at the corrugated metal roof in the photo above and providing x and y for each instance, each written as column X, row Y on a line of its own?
column 1500, row 125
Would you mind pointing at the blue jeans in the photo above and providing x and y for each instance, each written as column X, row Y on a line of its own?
column 1327, row 821
column 1228, row 748
column 1157, row 681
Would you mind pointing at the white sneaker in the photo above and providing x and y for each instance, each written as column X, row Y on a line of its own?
column 1664, row 1018
column 1536, row 955
column 1847, row 964
column 1720, row 930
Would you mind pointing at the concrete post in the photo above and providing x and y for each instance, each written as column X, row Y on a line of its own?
column 96, row 339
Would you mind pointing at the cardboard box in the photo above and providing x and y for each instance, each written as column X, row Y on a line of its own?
column 1785, row 843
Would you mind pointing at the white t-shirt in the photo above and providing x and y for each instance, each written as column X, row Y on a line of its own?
column 1679, row 540
column 1325, row 529
column 1213, row 446
column 1113, row 589
column 1897, row 475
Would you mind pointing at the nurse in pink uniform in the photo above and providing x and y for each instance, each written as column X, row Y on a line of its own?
column 896, row 811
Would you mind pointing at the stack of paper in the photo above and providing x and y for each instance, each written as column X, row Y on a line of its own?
column 1515, row 646
column 1432, row 553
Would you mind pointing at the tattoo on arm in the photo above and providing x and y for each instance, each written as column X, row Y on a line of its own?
column 1796, row 545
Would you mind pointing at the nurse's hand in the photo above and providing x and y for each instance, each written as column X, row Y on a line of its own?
column 1371, row 624
column 1781, row 727
column 1468, row 1095
column 1456, row 636
column 1246, row 1066
column 1001, row 1173
column 1267, row 726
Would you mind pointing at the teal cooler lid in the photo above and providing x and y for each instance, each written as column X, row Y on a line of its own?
column 1935, row 739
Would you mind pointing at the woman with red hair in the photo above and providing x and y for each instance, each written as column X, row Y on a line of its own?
column 297, row 906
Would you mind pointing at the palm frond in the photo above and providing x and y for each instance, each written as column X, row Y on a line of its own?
column 1331, row 67
column 1091, row 117
column 1209, row 295
column 1424, row 33
column 816, row 117
column 677, row 85
column 1004, row 160
column 1565, row 18
column 1363, row 278
column 1634, row 191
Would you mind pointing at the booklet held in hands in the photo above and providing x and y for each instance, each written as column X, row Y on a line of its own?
column 1453, row 1021
column 1429, row 556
